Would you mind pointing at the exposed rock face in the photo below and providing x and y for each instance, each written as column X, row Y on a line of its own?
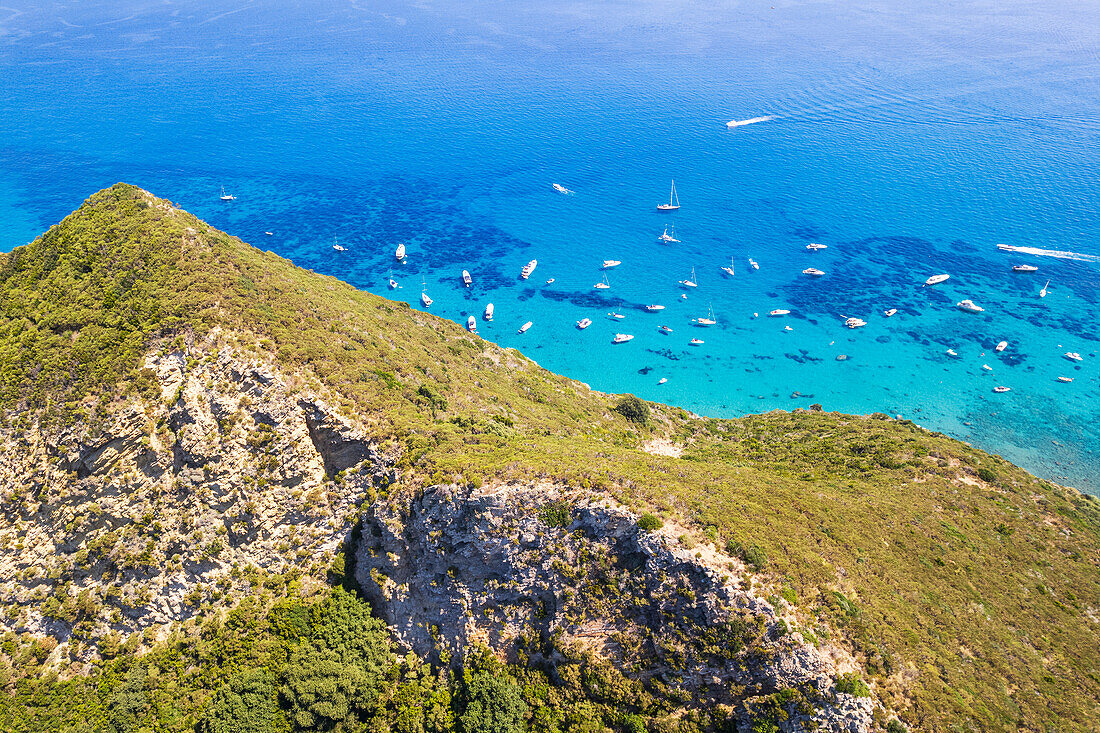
column 521, row 568
column 170, row 503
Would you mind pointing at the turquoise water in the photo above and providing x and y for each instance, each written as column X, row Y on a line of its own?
column 910, row 141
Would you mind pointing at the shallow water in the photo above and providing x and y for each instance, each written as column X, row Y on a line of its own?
column 911, row 142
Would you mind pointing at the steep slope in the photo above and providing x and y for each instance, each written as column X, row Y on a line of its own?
column 188, row 419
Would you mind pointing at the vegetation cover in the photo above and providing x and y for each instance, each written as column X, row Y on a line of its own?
column 968, row 589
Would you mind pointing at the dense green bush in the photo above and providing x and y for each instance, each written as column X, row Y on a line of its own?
column 851, row 684
column 489, row 698
column 633, row 409
column 752, row 555
column 649, row 522
column 244, row 704
column 556, row 513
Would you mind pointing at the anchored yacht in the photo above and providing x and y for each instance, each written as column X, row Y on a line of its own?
column 969, row 306
column 528, row 269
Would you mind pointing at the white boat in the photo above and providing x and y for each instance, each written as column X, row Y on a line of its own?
column 608, row 264
column 814, row 246
column 813, row 272
column 692, row 283
column 662, row 380
column 751, row 121
column 1025, row 268
column 787, row 328
column 987, row 367
column 668, row 237
column 696, row 342
column 424, row 295
column 708, row 320
column 1006, row 248
column 616, row 316
column 561, row 189
column 673, row 201
column 227, row 196
column 890, row 313
column 399, row 253
column 524, row 328
column 1001, row 346
column 466, row 279
column 1073, row 356
column 855, row 322
column 1065, row 379
column 488, row 312
column 337, row 246
column 270, row 234
column 1043, row 292
column 778, row 312
column 936, row 280
column 664, row 329
column 729, row 270
column 952, row 352
column 654, row 308
column 393, row 284
column 584, row 323
column 605, row 285
column 550, row 281
column 1000, row 390
column 471, row 324
column 621, row 338
column 969, row 306
column 528, row 269
column 753, row 265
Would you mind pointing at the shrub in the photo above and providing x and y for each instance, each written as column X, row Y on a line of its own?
column 649, row 522
column 555, row 514
column 244, row 704
column 633, row 409
column 751, row 555
column 986, row 475
column 896, row 726
column 851, row 684
column 490, row 700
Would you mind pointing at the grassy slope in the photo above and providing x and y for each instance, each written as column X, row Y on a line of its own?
column 973, row 601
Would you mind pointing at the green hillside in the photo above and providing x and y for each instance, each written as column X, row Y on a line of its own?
column 969, row 589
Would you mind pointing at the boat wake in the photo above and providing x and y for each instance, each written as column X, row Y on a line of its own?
column 751, row 121
column 1049, row 253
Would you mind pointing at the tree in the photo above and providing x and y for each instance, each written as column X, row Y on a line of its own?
column 489, row 698
column 633, row 409
column 245, row 704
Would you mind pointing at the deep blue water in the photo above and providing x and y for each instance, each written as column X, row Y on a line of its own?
column 910, row 140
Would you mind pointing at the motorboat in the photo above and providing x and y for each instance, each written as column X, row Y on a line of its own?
column 604, row 285
column 987, row 367
column 1001, row 390
column 1065, row 379
column 1073, row 356
column 936, row 280
column 227, row 196
column 814, row 246
column 969, row 306
column 664, row 329
column 673, row 201
column 621, row 338
column 952, row 352
column 562, row 189
column 668, row 237
column 890, row 313
column 270, row 234
column 550, row 281
column 1043, row 292
column 692, row 283
column 696, row 342
column 787, row 328
column 1001, row 347
column 1006, row 248
column 654, row 308
column 608, row 264
column 528, row 269
column 471, row 324
column 466, row 279
column 584, row 323
column 778, row 312
column 488, row 312
column 813, row 272
column 400, row 252
column 525, row 327
column 1025, row 268
column 855, row 322
column 753, row 265
column 751, row 121
column 616, row 316
column 662, row 380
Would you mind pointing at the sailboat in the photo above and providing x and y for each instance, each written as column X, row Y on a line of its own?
column 605, row 285
column 1043, row 292
column 667, row 236
column 708, row 321
column 424, row 294
column 690, row 283
column 227, row 196
column 393, row 283
column 337, row 246
column 729, row 270
column 673, row 201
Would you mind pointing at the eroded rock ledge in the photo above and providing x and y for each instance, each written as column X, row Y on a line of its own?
column 534, row 571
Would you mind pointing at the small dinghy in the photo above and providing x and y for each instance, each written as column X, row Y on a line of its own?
column 1000, row 390
column 662, row 380
column 952, row 352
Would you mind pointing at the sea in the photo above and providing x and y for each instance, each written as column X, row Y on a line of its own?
column 909, row 138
